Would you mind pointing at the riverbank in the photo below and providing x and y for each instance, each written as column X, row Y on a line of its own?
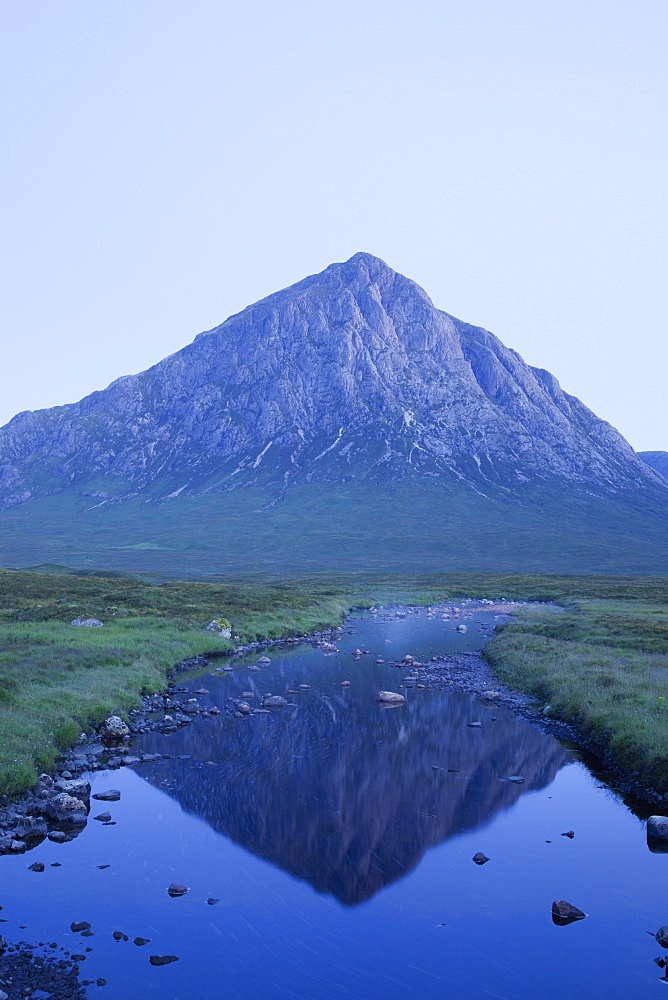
column 57, row 680
column 600, row 666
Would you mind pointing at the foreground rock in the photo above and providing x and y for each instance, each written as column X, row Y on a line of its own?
column 113, row 728
column 67, row 810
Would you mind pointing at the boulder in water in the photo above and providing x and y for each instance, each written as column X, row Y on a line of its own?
column 390, row 698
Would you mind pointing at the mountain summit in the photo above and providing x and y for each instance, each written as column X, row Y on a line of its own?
column 344, row 419
column 349, row 374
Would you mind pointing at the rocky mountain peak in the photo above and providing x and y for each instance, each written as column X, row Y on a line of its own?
column 350, row 374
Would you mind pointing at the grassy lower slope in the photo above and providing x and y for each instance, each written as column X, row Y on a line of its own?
column 406, row 527
column 602, row 663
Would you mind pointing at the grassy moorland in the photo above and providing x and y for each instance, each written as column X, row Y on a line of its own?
column 602, row 664
column 389, row 527
column 56, row 680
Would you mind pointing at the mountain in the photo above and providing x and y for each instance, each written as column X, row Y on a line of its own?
column 348, row 391
column 657, row 460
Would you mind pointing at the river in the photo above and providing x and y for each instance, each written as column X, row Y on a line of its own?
column 328, row 845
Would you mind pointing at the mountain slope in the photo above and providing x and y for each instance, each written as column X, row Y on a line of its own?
column 350, row 391
column 657, row 460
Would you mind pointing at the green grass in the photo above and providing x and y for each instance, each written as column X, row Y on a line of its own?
column 422, row 526
column 602, row 664
column 57, row 680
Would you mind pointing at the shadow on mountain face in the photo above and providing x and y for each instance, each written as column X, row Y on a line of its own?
column 346, row 795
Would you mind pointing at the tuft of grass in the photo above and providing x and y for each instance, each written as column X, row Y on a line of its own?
column 602, row 664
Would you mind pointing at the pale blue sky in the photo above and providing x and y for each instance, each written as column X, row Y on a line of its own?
column 167, row 162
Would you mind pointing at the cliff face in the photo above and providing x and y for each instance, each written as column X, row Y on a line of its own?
column 349, row 374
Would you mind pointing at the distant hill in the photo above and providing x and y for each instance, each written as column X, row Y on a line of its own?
column 344, row 422
column 657, row 460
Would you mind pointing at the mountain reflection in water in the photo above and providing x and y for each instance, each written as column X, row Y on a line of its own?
column 344, row 794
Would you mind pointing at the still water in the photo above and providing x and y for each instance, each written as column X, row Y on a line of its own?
column 337, row 837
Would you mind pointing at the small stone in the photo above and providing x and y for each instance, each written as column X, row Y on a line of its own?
column 103, row 817
column 569, row 833
column 345, row 684
column 211, row 901
column 390, row 698
column 264, row 660
column 163, row 959
column 475, row 725
column 176, row 889
column 112, row 795
column 661, row 936
column 274, row 701
column 563, row 912
column 657, row 834
column 480, row 858
column 140, row 941
column 79, row 925
column 100, row 982
column 120, row 936
column 37, row 867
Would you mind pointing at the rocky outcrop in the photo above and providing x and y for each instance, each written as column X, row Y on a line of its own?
column 349, row 374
